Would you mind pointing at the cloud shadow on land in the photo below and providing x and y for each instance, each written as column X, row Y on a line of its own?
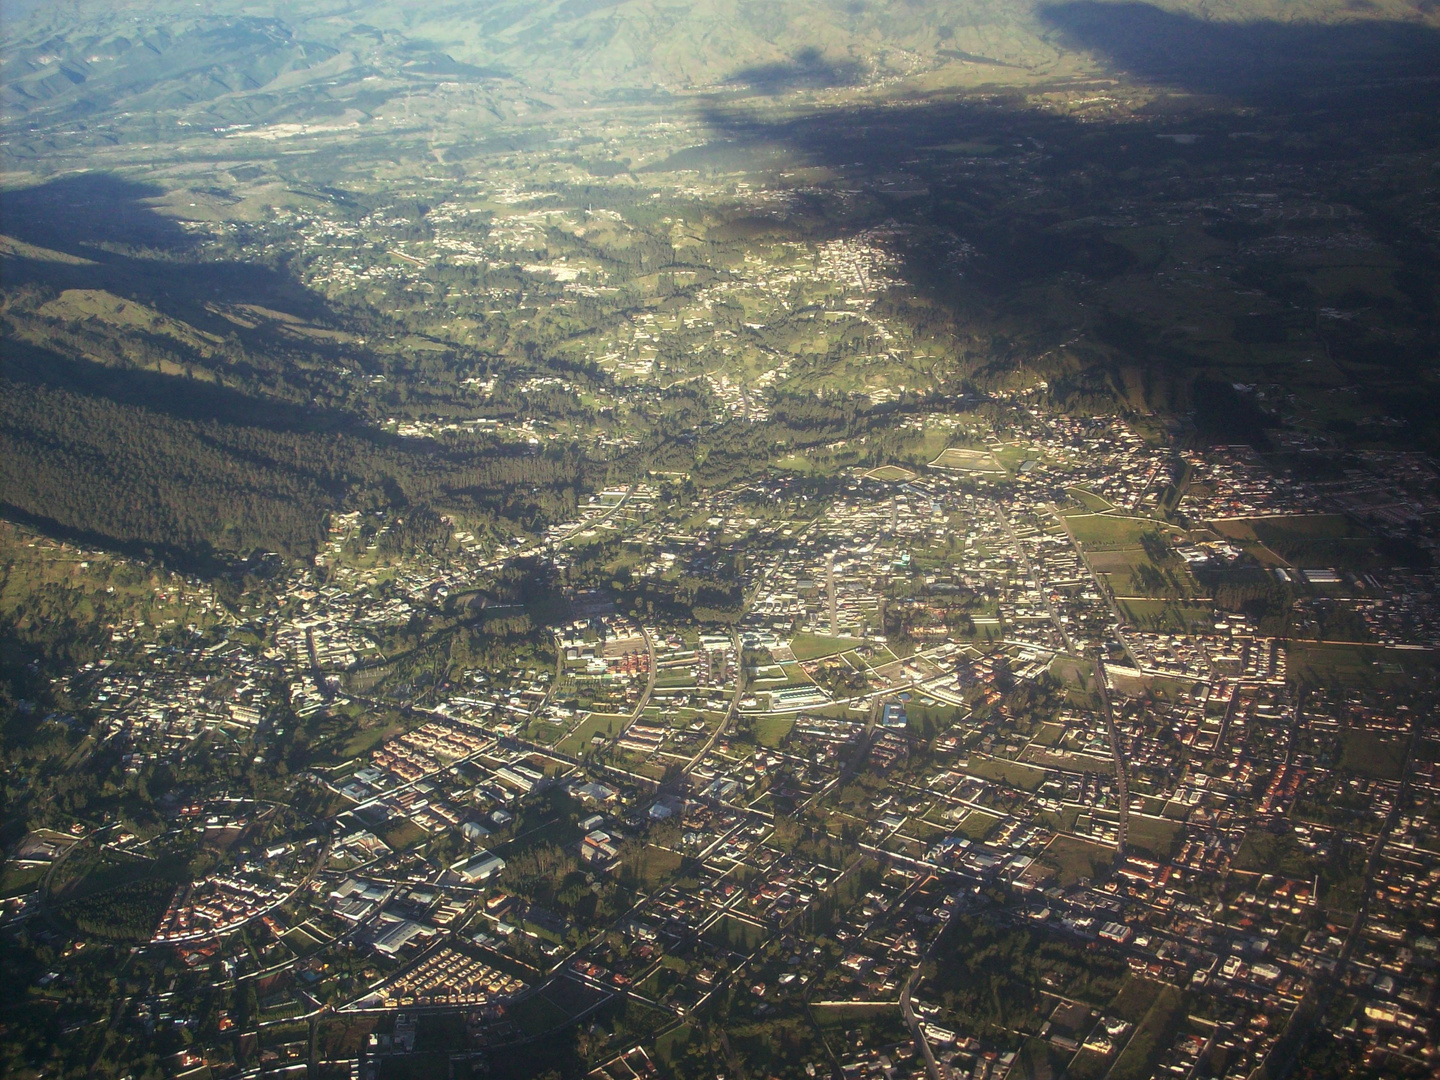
column 178, row 439
column 216, row 429
column 1250, row 59
column 84, row 213
column 121, row 245
column 131, row 249
column 808, row 69
column 1000, row 202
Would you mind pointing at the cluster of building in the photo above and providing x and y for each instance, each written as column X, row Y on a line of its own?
column 947, row 685
column 217, row 905
column 449, row 977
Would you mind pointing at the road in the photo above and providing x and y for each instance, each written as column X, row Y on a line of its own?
column 1034, row 577
column 540, row 547
column 1310, row 1012
column 1230, row 715
column 644, row 696
column 316, row 672
column 739, row 679
column 830, row 596
column 391, row 793
column 861, row 750
column 724, row 724
column 207, row 935
column 1121, row 784
column 1104, row 590
column 593, row 522
column 46, row 883
column 936, row 1070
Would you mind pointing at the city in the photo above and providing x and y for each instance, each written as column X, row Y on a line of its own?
column 996, row 692
column 704, row 540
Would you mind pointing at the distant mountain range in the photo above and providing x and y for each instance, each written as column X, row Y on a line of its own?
column 236, row 61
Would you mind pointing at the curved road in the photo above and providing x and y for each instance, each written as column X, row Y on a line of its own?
column 645, row 696
column 729, row 713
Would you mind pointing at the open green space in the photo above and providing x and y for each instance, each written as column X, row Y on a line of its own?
column 733, row 932
column 891, row 473
column 537, row 1014
column 834, row 1012
column 1074, row 859
column 367, row 739
column 1167, row 617
column 117, row 898
column 1327, row 663
column 582, row 739
column 977, row 824
column 1048, row 734
column 1109, row 531
column 1265, row 852
column 1156, row 836
column 652, row 866
column 991, row 977
column 1008, row 772
column 400, row 833
column 771, row 730
column 1321, row 541
column 1089, row 1065
column 300, row 940
column 15, row 880
column 963, row 460
column 1153, row 1033
column 1090, row 501
column 1373, row 753
column 815, row 646
column 1039, row 1059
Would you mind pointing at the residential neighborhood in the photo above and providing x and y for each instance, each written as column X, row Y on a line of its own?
column 996, row 697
